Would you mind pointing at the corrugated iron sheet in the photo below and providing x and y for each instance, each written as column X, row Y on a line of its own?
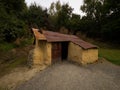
column 58, row 37
column 55, row 37
column 38, row 35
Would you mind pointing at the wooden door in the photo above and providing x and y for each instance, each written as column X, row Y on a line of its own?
column 56, row 52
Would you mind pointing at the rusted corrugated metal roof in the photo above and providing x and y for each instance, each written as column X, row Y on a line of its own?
column 38, row 35
column 55, row 37
column 58, row 37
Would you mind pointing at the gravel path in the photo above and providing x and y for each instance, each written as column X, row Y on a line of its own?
column 68, row 76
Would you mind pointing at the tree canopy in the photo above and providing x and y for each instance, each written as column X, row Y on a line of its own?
column 104, row 14
column 101, row 22
column 11, row 24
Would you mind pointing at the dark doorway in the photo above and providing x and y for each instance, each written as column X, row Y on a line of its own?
column 64, row 52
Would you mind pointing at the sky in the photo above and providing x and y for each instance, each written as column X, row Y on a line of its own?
column 46, row 4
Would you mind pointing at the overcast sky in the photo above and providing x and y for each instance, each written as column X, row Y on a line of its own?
column 46, row 4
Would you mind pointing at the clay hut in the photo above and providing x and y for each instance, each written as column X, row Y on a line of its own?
column 51, row 47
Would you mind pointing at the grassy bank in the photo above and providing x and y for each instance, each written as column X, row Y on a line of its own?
column 12, row 55
column 8, row 66
column 109, row 51
column 112, row 55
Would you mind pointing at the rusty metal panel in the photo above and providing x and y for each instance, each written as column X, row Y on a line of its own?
column 56, row 52
column 38, row 35
column 83, row 44
column 58, row 37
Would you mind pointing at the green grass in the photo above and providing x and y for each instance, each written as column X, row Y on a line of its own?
column 18, row 62
column 6, row 46
column 26, row 42
column 8, row 66
column 13, row 61
column 1, row 88
column 112, row 55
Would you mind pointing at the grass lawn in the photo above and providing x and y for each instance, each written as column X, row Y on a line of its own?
column 112, row 55
column 109, row 51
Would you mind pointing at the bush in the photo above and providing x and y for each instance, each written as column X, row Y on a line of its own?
column 6, row 46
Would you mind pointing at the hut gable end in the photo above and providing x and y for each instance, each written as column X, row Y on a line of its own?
column 38, row 35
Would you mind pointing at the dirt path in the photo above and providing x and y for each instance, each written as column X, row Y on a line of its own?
column 68, row 76
column 17, row 76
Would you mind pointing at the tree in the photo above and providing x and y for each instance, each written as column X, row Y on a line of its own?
column 37, row 17
column 104, row 16
column 11, row 26
column 93, row 8
column 74, row 23
column 55, row 8
column 53, row 11
column 111, row 25
column 64, row 16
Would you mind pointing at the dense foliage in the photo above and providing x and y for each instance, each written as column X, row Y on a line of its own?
column 37, row 16
column 16, row 19
column 103, row 19
column 101, row 22
column 11, row 24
